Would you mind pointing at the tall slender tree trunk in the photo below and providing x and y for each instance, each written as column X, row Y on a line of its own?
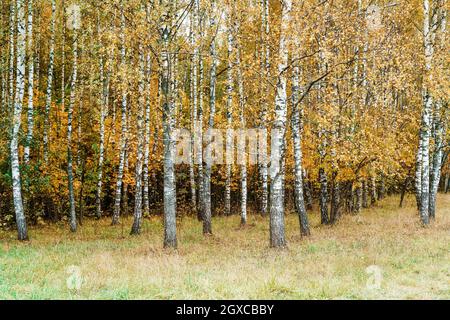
column 124, row 201
column 37, row 67
column 72, row 213
column 229, row 115
column 207, row 227
column 124, row 130
column 104, row 102
column 30, row 111
column 4, row 89
column 297, row 131
column 148, row 96
column 199, row 134
column 240, row 82
column 277, row 227
column 194, row 101
column 435, row 174
column 63, row 66
column 323, row 179
column 425, row 130
column 12, row 33
column 16, row 121
column 146, row 200
column 170, row 197
column 48, row 94
column 439, row 128
column 136, row 229
column 265, row 72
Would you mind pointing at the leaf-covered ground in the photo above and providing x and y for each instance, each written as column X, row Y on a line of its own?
column 383, row 253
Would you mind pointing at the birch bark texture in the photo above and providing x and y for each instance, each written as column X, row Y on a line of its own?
column 265, row 73
column 229, row 112
column 297, row 131
column 16, row 121
column 423, row 156
column 104, row 101
column 48, row 93
column 277, row 224
column 73, row 88
column 207, row 227
column 124, row 126
column 241, row 94
column 170, row 203
column 30, row 110
column 136, row 229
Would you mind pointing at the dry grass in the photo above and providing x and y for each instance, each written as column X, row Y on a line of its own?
column 236, row 262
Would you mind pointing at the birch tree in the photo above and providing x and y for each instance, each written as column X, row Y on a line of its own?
column 48, row 94
column 193, row 100
column 136, row 229
column 229, row 112
column 265, row 70
column 207, row 228
column 425, row 130
column 74, row 25
column 439, row 124
column 199, row 133
column 170, row 235
column 145, row 196
column 124, row 125
column 297, row 131
column 240, row 84
column 12, row 50
column 16, row 121
column 277, row 226
column 104, row 102
column 30, row 111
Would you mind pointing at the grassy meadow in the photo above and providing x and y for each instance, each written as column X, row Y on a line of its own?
column 236, row 263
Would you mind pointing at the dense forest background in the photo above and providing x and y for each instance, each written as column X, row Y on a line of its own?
column 92, row 91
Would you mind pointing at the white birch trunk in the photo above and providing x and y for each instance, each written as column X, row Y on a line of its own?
column 30, row 111
column 229, row 115
column 240, row 81
column 207, row 228
column 72, row 213
column 63, row 66
column 194, row 95
column 124, row 130
column 48, row 94
column 199, row 132
column 136, row 229
column 297, row 131
column 146, row 201
column 439, row 129
column 101, row 142
column 170, row 197
column 12, row 28
column 323, row 179
column 277, row 227
column 104, row 102
column 425, row 131
column 16, row 122
column 265, row 72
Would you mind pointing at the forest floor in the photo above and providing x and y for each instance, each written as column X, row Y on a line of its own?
column 382, row 253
